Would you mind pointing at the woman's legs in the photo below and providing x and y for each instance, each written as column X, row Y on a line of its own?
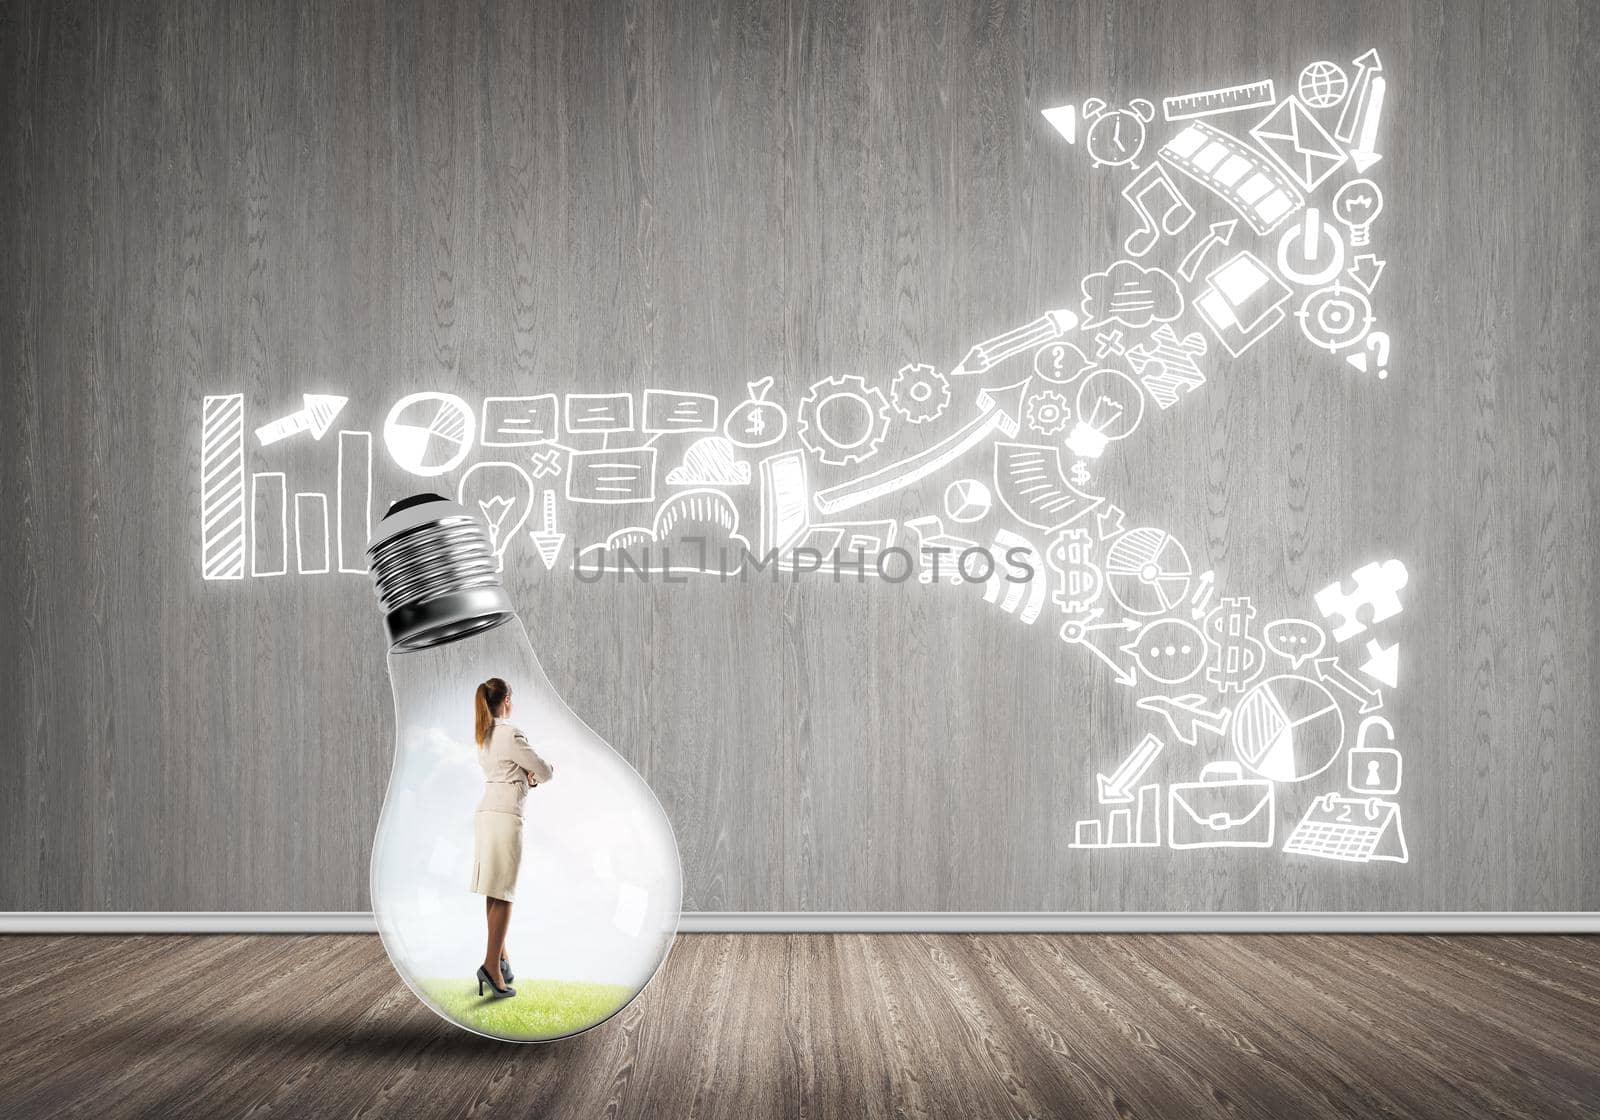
column 497, row 911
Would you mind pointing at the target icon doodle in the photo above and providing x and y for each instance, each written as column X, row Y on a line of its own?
column 1335, row 317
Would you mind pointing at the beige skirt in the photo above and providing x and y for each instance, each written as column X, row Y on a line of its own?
column 497, row 853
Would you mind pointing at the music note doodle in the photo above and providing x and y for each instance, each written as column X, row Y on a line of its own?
column 1172, row 220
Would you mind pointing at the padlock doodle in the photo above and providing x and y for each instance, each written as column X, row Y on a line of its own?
column 1237, row 655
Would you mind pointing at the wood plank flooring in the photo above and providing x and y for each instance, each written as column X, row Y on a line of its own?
column 825, row 1026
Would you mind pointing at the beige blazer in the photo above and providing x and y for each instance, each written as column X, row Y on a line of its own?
column 508, row 763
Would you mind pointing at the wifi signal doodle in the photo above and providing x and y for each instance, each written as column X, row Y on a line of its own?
column 1238, row 655
column 1082, row 581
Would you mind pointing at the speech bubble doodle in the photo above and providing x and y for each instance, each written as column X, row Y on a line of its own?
column 1129, row 294
column 1169, row 650
column 1061, row 362
column 1295, row 639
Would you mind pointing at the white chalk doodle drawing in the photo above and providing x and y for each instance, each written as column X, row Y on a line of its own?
column 1048, row 412
column 1118, row 789
column 353, row 490
column 1033, row 488
column 1060, row 363
column 843, row 420
column 1288, row 728
column 998, row 412
column 1375, row 592
column 1238, row 657
column 1223, row 809
column 311, row 533
column 1161, row 208
column 520, row 421
column 989, row 353
column 1252, row 185
column 222, row 487
column 1356, row 206
column 1322, row 84
column 1224, row 99
column 429, row 434
column 1169, row 650
column 967, row 500
column 1187, row 715
column 598, row 413
column 757, row 421
column 1383, row 663
column 1374, row 770
column 1015, row 467
column 1138, row 827
column 1130, row 294
column 1374, row 356
column 695, row 531
column 1297, row 640
column 1021, row 597
column 678, row 412
column 1311, row 251
column 1351, row 829
column 1363, row 107
column 269, row 524
column 1296, row 140
column 1064, row 119
column 710, row 461
column 1218, row 235
column 502, row 494
column 1115, row 137
column 1080, row 581
column 612, row 476
column 920, row 393
column 315, row 415
column 547, row 538
column 1334, row 675
column 1335, row 317
column 1242, row 301
column 1166, row 366
column 1148, row 571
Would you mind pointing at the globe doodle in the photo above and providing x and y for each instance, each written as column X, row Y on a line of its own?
column 1323, row 85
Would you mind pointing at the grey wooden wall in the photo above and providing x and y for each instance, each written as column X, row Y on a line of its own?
column 377, row 198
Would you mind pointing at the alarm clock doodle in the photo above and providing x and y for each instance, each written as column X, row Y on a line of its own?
column 1115, row 137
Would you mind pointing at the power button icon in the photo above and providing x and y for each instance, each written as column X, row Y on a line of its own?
column 1312, row 252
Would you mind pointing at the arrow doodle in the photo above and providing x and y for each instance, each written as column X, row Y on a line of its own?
column 1329, row 671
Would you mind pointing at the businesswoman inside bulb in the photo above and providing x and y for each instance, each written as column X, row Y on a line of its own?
column 510, row 769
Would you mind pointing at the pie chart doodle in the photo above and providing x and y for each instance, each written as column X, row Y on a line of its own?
column 1288, row 728
column 1148, row 571
column 429, row 433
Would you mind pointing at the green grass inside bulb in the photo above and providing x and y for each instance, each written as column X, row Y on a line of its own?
column 540, row 1009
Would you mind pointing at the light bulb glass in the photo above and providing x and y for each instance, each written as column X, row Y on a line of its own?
column 599, row 892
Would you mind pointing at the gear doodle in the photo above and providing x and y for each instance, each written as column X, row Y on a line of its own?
column 843, row 420
column 1048, row 412
column 920, row 393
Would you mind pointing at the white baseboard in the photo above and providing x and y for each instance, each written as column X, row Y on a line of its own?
column 704, row 921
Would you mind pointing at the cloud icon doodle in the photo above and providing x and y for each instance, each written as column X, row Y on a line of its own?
column 1133, row 296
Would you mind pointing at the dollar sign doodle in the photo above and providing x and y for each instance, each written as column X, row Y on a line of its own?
column 1238, row 656
column 1070, row 554
column 1080, row 473
column 757, row 423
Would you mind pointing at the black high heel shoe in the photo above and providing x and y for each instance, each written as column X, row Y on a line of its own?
column 505, row 971
column 499, row 992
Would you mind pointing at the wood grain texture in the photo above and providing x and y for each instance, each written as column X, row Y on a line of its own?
column 896, row 1026
column 501, row 197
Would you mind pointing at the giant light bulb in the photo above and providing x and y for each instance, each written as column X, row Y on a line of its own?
column 600, row 886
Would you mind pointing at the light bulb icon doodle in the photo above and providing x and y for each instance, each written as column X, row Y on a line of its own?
column 502, row 494
column 543, row 809
column 1356, row 205
column 1109, row 407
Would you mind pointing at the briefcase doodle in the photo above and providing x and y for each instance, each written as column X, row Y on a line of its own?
column 1224, row 809
column 1352, row 829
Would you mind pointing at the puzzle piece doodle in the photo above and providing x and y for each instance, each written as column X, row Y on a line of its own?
column 1168, row 369
column 1377, row 588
